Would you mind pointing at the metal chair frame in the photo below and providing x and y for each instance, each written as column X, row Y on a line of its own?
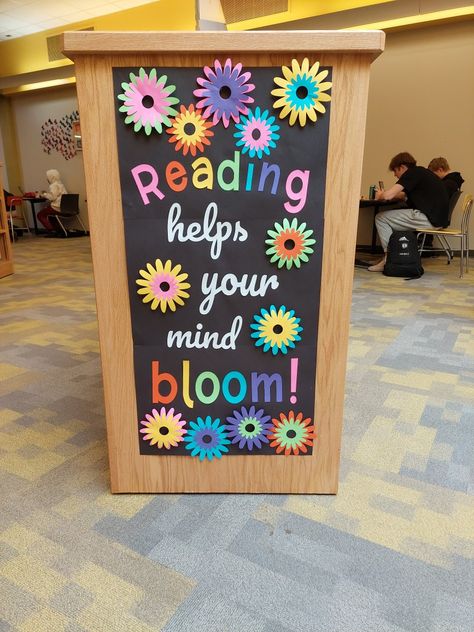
column 462, row 233
column 69, row 209
column 14, row 202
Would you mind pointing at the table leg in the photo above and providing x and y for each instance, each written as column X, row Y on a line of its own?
column 374, row 232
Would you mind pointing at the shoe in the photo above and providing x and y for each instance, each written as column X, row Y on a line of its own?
column 378, row 267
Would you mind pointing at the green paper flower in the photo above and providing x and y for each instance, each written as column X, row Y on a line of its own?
column 290, row 244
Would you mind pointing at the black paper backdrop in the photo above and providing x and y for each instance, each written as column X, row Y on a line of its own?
column 146, row 240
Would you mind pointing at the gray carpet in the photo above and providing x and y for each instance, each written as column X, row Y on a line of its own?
column 392, row 552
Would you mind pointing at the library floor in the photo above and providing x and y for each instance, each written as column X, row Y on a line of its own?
column 392, row 552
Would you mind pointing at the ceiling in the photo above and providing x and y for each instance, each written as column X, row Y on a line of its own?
column 23, row 17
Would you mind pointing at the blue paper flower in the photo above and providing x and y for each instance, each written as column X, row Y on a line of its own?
column 206, row 438
column 276, row 329
column 249, row 427
column 257, row 133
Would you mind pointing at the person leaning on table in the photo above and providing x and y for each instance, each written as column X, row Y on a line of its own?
column 426, row 198
column 56, row 191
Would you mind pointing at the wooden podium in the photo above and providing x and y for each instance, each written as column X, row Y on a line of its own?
column 223, row 237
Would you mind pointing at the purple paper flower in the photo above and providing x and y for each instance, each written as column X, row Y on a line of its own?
column 224, row 92
column 249, row 427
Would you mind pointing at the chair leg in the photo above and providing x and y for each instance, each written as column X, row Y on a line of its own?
column 25, row 221
column 62, row 225
column 466, row 236
column 12, row 231
column 422, row 247
column 81, row 223
column 446, row 247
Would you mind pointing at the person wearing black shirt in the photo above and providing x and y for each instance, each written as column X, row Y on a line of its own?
column 452, row 180
column 426, row 198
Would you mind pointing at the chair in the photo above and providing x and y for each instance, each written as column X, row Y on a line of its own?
column 15, row 210
column 462, row 233
column 69, row 211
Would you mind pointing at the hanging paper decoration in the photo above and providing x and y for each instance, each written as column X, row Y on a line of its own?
column 257, row 133
column 163, row 286
column 224, row 92
column 57, row 135
column 249, row 428
column 301, row 92
column 290, row 243
column 163, row 429
column 190, row 131
column 276, row 330
column 148, row 102
column 291, row 434
column 206, row 438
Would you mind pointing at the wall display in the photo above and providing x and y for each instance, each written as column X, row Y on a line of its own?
column 58, row 136
column 222, row 172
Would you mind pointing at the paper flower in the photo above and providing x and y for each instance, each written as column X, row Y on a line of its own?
column 291, row 434
column 189, row 130
column 206, row 438
column 257, row 133
column 147, row 101
column 301, row 91
column 290, row 243
column 163, row 285
column 163, row 429
column 276, row 329
column 224, row 92
column 249, row 427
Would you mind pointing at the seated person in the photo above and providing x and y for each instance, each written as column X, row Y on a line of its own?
column 427, row 201
column 451, row 179
column 56, row 190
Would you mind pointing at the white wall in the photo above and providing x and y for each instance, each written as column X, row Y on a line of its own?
column 30, row 112
column 421, row 100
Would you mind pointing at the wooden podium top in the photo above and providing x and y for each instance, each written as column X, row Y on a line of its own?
column 369, row 43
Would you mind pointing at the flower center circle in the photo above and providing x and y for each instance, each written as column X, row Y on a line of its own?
column 225, row 92
column 301, row 92
column 164, row 286
column 206, row 438
column 148, row 101
column 291, row 434
column 256, row 134
column 250, row 427
column 277, row 329
column 164, row 430
column 189, row 129
column 289, row 244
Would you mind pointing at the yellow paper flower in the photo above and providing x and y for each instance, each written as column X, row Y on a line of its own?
column 301, row 92
column 163, row 429
column 163, row 285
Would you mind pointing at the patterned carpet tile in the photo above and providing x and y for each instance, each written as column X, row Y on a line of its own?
column 392, row 552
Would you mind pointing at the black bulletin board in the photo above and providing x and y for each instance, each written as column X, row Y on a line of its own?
column 244, row 376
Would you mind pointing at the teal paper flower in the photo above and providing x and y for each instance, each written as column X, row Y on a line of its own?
column 301, row 92
column 257, row 133
column 206, row 438
column 276, row 330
